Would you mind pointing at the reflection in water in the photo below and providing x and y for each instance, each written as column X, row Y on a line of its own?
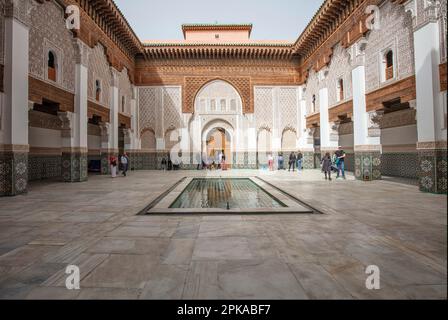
column 225, row 193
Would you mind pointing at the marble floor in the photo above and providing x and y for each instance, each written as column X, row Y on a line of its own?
column 267, row 256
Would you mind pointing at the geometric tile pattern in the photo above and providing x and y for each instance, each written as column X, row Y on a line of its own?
column 432, row 171
column 368, row 166
column 74, row 166
column 44, row 167
column 13, row 173
column 403, row 165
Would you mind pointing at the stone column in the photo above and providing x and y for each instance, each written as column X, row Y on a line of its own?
column 14, row 149
column 306, row 139
column 432, row 145
column 74, row 132
column 366, row 129
column 327, row 143
column 105, row 147
column 114, row 105
column 135, row 141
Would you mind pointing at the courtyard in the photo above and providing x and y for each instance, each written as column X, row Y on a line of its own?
column 122, row 255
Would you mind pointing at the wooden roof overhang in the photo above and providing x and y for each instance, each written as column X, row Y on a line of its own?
column 112, row 22
column 218, row 51
column 210, row 26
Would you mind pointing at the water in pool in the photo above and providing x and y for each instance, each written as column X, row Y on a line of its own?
column 225, row 193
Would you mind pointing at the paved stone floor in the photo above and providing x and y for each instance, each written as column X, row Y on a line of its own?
column 121, row 255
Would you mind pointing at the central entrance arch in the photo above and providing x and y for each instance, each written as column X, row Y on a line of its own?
column 217, row 137
column 217, row 119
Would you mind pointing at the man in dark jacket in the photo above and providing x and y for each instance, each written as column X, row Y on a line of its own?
column 292, row 162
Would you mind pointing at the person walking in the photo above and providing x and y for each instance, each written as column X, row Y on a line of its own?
column 292, row 162
column 113, row 161
column 340, row 162
column 125, row 163
column 326, row 164
column 299, row 161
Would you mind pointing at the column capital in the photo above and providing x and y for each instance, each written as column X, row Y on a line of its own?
column 67, row 119
column 105, row 131
column 374, row 123
column 356, row 53
column 20, row 10
column 334, row 131
column 82, row 52
column 115, row 77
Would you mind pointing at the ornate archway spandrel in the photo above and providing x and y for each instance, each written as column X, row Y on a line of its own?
column 192, row 85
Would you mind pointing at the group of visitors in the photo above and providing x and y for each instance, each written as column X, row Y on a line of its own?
column 167, row 164
column 294, row 161
column 114, row 164
column 218, row 161
column 334, row 163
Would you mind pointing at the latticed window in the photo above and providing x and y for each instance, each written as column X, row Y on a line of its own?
column 213, row 105
column 233, row 105
column 313, row 105
column 223, row 104
column 340, row 90
column 97, row 90
column 52, row 69
column 389, row 64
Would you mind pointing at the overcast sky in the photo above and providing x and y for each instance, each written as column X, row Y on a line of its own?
column 271, row 19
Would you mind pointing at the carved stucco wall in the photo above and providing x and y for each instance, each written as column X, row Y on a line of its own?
column 339, row 68
column 276, row 108
column 99, row 69
column 396, row 33
column 125, row 90
column 312, row 88
column 48, row 32
column 160, row 109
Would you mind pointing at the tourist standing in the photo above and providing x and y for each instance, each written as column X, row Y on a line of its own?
column 299, row 161
column 326, row 164
column 125, row 163
column 163, row 163
column 292, row 162
column 281, row 161
column 271, row 162
column 340, row 162
column 113, row 165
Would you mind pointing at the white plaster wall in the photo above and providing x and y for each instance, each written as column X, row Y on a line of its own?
column 346, row 140
column 94, row 142
column 44, row 138
column 399, row 135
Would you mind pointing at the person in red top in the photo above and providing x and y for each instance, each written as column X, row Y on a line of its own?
column 113, row 165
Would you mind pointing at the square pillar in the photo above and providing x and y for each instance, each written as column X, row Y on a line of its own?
column 114, row 105
column 432, row 142
column 14, row 150
column 106, row 150
column 366, row 130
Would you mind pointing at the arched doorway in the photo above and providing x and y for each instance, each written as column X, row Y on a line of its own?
column 218, row 142
column 217, row 138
